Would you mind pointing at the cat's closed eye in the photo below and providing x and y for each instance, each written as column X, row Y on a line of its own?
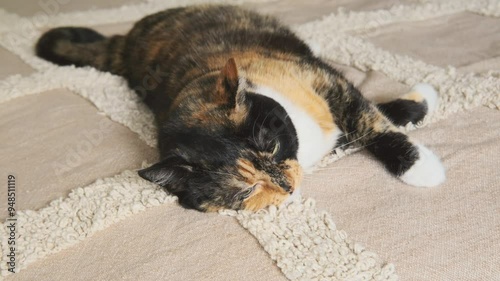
column 246, row 193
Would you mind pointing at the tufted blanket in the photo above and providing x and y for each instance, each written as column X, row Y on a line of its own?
column 72, row 138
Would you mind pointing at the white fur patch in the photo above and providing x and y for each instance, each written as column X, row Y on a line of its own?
column 314, row 144
column 427, row 170
column 315, row 48
column 429, row 94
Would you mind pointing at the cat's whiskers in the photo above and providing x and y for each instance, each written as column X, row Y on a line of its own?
column 277, row 137
column 329, row 167
column 350, row 133
column 269, row 113
column 253, row 128
column 262, row 123
column 355, row 140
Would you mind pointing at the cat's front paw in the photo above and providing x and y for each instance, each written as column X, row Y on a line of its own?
column 427, row 170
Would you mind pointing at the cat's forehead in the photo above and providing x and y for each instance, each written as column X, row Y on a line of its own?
column 213, row 148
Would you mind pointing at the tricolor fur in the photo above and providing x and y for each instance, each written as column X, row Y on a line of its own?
column 243, row 105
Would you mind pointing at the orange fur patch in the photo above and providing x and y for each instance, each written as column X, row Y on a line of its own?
column 413, row 96
column 264, row 197
column 266, row 192
column 295, row 83
column 210, row 208
column 294, row 173
column 202, row 114
column 286, row 76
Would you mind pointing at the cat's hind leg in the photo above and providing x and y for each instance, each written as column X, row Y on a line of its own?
column 411, row 107
column 364, row 125
column 413, row 163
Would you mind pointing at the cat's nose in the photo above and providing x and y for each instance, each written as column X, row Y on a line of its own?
column 286, row 186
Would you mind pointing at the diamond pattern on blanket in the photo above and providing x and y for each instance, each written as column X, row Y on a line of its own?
column 372, row 207
column 443, row 228
column 486, row 66
column 194, row 246
column 30, row 8
column 48, row 165
column 14, row 63
column 114, row 29
column 373, row 84
column 292, row 11
column 456, row 40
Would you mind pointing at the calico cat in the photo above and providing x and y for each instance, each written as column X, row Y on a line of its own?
column 243, row 106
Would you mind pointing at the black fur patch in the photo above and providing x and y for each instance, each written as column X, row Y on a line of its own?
column 395, row 151
column 267, row 123
column 401, row 112
column 45, row 47
column 197, row 163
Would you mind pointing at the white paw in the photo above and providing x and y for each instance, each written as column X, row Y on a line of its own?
column 429, row 94
column 427, row 171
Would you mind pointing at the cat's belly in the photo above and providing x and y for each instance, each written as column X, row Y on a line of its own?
column 314, row 141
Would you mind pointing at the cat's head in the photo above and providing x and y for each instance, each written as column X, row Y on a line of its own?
column 239, row 153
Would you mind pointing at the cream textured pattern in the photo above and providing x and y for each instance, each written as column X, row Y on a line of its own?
column 460, row 91
column 303, row 240
column 86, row 210
column 107, row 92
column 306, row 244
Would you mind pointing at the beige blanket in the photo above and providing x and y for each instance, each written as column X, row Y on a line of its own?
column 74, row 137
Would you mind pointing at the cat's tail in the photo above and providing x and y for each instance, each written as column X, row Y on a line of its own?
column 81, row 47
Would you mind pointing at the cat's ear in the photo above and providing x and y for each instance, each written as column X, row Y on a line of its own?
column 168, row 172
column 173, row 173
column 227, row 86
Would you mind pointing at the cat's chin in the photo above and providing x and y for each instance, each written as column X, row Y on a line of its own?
column 295, row 197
